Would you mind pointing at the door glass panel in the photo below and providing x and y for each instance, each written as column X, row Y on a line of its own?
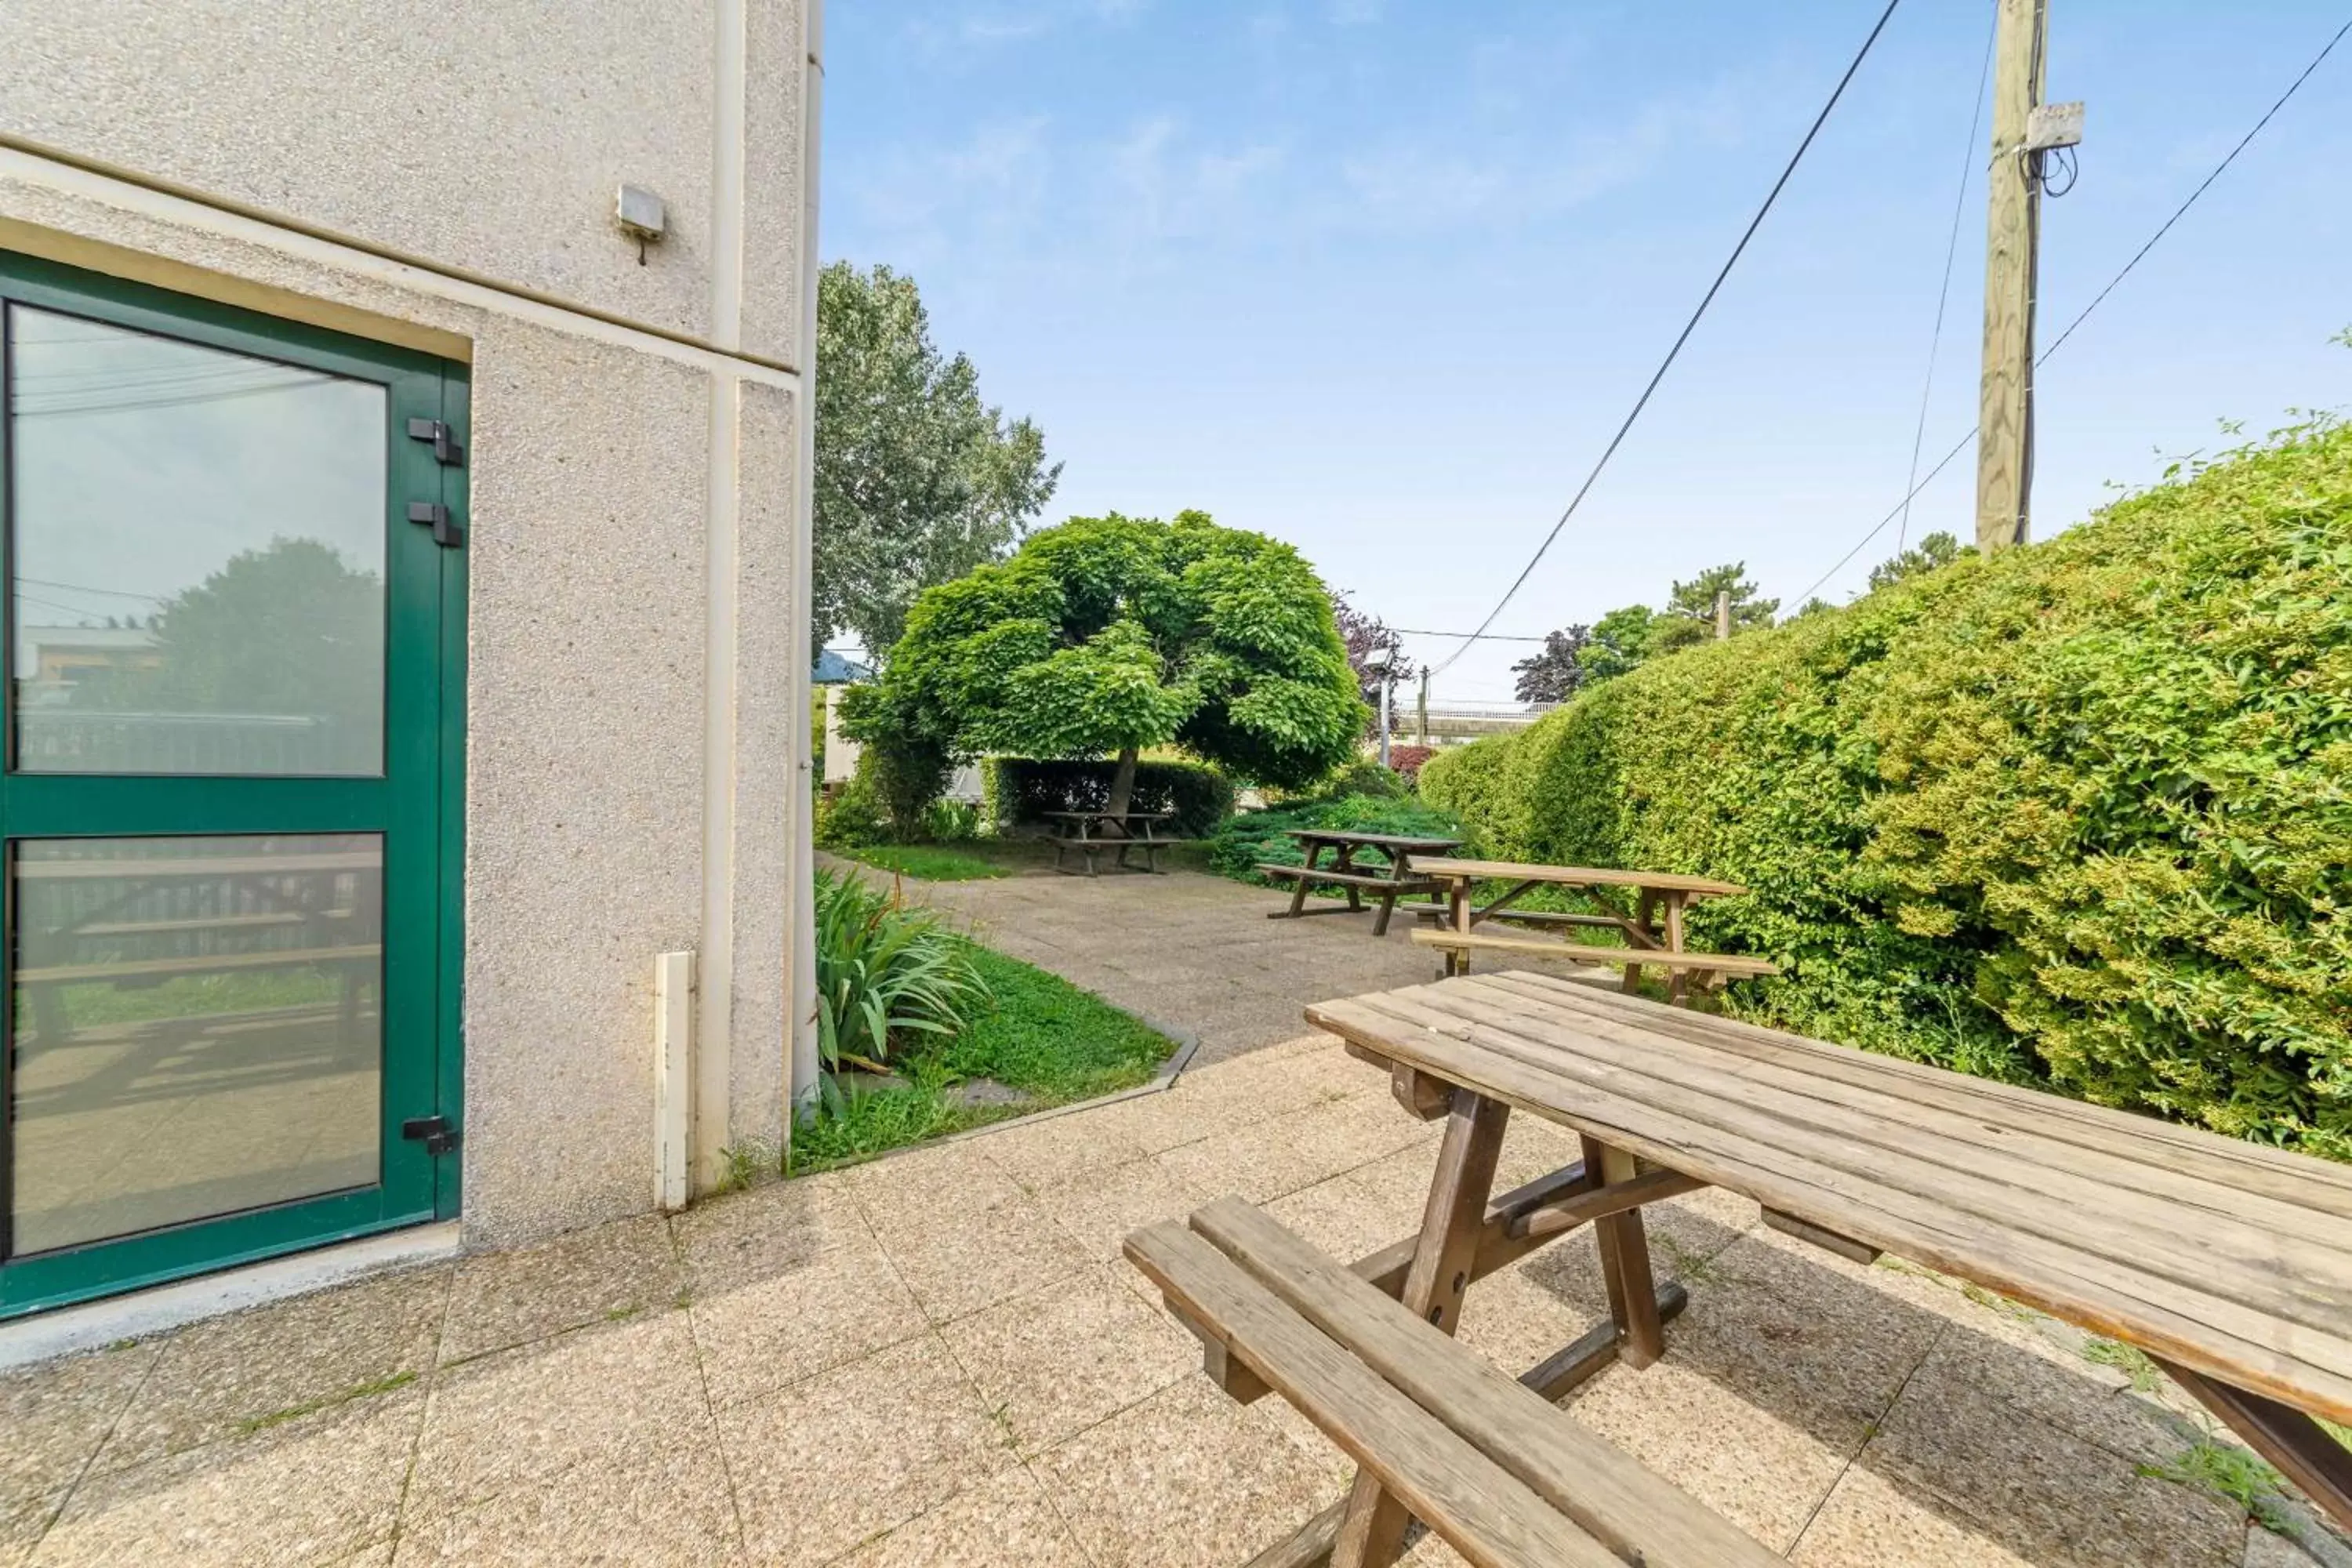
column 199, row 557
column 196, row 1024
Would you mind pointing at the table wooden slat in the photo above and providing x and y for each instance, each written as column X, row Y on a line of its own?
column 1577, row 875
column 2197, row 1273
column 2228, row 1160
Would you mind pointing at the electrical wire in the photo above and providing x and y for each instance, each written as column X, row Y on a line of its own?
column 1688, row 327
column 1944, row 292
column 2100, row 298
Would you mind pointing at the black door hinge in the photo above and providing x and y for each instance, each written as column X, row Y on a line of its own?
column 448, row 534
column 447, row 451
column 434, row 1132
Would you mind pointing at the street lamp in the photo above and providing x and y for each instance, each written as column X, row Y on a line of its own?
column 1380, row 662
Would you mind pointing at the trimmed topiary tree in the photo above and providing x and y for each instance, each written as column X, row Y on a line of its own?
column 1108, row 635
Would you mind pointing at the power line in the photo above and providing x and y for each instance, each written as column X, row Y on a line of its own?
column 1944, row 293
column 1688, row 327
column 2098, row 298
column 1465, row 636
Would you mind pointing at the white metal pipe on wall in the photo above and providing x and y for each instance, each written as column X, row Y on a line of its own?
column 803, row 1076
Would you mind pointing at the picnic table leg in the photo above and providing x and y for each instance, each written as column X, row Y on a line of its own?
column 1644, row 907
column 1677, row 982
column 1347, row 862
column 1457, row 959
column 1299, row 893
column 1371, row 1532
column 1625, row 1264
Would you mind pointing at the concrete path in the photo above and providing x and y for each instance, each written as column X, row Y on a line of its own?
column 1188, row 951
column 939, row 1359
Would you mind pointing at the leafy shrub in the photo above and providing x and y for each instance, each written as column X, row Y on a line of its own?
column 888, row 976
column 854, row 817
column 1243, row 841
column 2078, row 814
column 1408, row 761
column 1019, row 791
column 1366, row 776
column 950, row 822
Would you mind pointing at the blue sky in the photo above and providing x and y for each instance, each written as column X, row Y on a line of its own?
column 1380, row 278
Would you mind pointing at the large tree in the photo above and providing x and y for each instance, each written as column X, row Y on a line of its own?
column 917, row 481
column 1689, row 613
column 1107, row 634
column 1554, row 674
column 1934, row 550
column 1620, row 642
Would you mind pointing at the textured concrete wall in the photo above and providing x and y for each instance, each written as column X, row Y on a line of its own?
column 485, row 136
column 634, row 498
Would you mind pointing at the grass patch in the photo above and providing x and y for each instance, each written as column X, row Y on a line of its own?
column 1044, row 1037
column 929, row 862
column 2129, row 1360
column 2232, row 1474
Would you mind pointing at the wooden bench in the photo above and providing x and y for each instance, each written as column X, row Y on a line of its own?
column 1391, row 878
column 1507, row 1479
column 1703, row 969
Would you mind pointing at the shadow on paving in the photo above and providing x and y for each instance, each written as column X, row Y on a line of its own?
column 941, row 1358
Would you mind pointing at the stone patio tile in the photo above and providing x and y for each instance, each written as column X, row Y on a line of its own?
column 55, row 1415
column 1060, row 1148
column 1003, row 1522
column 1269, row 1159
column 958, row 1264
column 844, row 1303
column 925, row 1187
column 665, row 1502
column 757, row 1235
column 500, row 1300
column 521, row 1417
column 2042, row 1492
column 308, row 1491
column 1765, row 1474
column 22, row 1522
column 2264, row 1550
column 833, row 1460
column 253, row 1365
column 1813, row 1347
column 1868, row 1522
column 1069, row 1355
column 1098, row 1209
column 2016, row 1366
column 1184, row 1478
column 1515, row 1323
column 1338, row 1218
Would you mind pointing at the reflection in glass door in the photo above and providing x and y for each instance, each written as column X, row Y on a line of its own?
column 223, row 803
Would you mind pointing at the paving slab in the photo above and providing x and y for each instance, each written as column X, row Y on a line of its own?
column 939, row 1358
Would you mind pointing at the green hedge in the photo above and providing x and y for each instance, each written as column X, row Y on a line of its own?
column 2078, row 814
column 1019, row 791
column 1255, row 836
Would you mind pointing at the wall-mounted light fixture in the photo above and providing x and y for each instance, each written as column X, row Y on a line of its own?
column 642, row 216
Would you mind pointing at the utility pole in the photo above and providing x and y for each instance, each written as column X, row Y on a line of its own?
column 1723, row 614
column 1424, row 705
column 2023, row 129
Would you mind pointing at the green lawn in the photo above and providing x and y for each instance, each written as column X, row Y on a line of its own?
column 1045, row 1038
column 929, row 862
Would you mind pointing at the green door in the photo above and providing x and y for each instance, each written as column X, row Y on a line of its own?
column 229, row 804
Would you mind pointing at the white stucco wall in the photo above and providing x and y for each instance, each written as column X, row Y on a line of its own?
column 444, row 176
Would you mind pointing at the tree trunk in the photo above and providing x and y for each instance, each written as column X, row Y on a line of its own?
column 1122, row 783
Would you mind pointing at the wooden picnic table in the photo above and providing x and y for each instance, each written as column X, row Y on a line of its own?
column 1392, row 876
column 2228, row 1262
column 1654, row 892
column 1092, row 832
